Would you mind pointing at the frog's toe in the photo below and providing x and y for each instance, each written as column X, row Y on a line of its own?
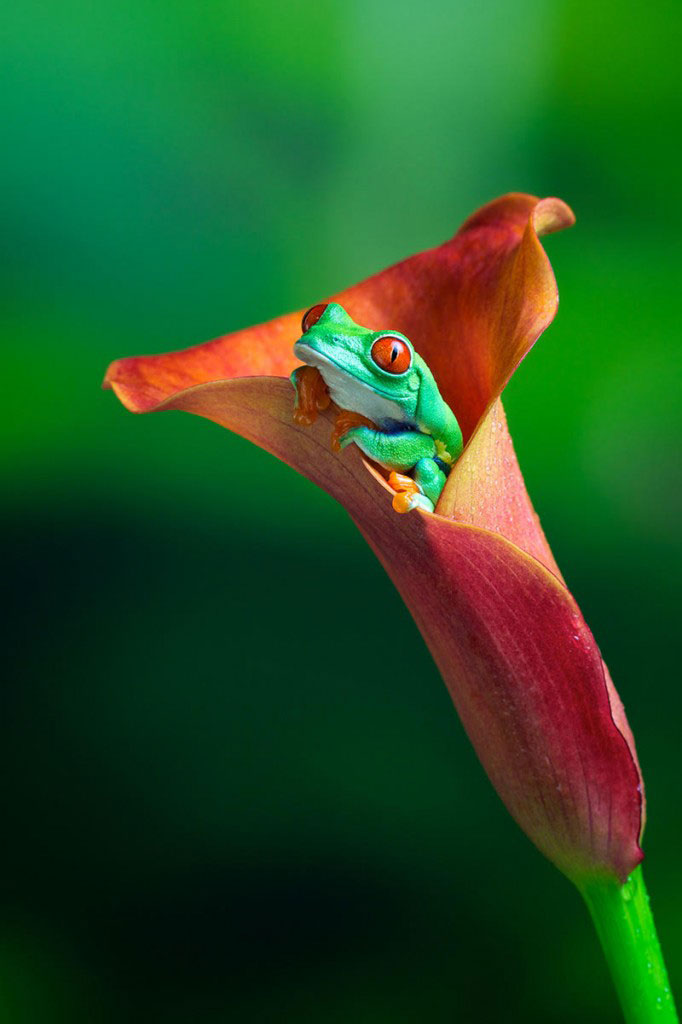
column 312, row 395
column 346, row 421
column 304, row 418
column 406, row 502
column 401, row 482
column 408, row 494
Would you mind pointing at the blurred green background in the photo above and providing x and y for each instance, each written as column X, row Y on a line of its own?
column 219, row 804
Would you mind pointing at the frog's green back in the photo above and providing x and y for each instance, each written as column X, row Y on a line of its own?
column 434, row 415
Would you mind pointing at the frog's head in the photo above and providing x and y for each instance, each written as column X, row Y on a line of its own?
column 376, row 373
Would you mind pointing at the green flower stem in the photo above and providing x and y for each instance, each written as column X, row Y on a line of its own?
column 625, row 925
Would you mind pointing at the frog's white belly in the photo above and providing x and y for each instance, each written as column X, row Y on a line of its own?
column 349, row 393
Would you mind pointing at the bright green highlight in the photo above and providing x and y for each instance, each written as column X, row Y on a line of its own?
column 407, row 406
column 626, row 929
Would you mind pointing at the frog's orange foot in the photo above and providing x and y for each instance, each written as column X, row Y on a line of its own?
column 406, row 489
column 303, row 418
column 311, row 395
column 400, row 482
column 345, row 421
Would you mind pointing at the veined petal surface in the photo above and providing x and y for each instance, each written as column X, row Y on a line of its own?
column 472, row 307
column 520, row 663
column 478, row 575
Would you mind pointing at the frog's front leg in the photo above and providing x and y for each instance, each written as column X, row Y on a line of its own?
column 431, row 478
column 400, row 450
column 312, row 395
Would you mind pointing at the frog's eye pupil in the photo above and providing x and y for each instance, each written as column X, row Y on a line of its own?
column 391, row 354
column 312, row 316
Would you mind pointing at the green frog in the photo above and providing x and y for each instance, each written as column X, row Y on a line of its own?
column 403, row 423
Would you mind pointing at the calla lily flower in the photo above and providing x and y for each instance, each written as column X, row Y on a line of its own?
column 521, row 665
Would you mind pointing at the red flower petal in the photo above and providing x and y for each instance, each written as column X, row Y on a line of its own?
column 521, row 665
column 485, row 488
column 475, row 305
column 472, row 307
column 528, row 682
column 144, row 382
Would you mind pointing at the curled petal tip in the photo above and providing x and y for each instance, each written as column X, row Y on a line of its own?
column 517, row 208
column 126, row 378
column 552, row 214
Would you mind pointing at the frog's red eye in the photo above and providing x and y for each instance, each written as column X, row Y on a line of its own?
column 312, row 316
column 391, row 354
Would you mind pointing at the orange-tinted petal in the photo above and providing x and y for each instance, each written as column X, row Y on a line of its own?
column 485, row 488
column 473, row 307
column 518, row 659
column 144, row 382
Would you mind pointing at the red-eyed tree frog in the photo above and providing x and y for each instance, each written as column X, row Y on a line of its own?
column 403, row 423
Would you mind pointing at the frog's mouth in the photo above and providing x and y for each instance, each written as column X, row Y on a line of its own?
column 348, row 392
